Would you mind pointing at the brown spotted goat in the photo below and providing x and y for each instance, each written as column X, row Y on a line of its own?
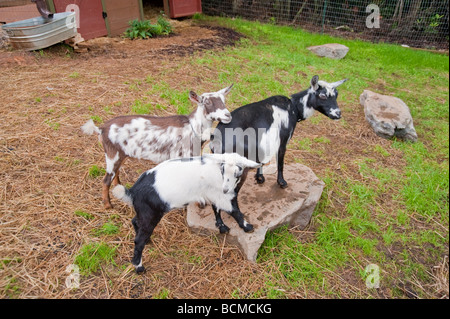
column 158, row 138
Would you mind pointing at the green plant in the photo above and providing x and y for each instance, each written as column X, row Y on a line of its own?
column 92, row 255
column 95, row 171
column 83, row 214
column 108, row 228
column 145, row 29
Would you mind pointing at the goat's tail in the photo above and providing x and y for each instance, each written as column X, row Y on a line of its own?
column 89, row 128
column 122, row 193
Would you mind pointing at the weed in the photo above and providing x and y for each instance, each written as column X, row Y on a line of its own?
column 97, row 119
column 83, row 214
column 95, row 171
column 108, row 228
column 162, row 294
column 92, row 256
column 74, row 75
column 140, row 107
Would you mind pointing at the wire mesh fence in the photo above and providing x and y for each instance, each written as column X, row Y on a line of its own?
column 418, row 23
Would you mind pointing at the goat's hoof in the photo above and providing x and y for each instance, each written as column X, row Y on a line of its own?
column 140, row 270
column 224, row 229
column 248, row 228
column 201, row 205
column 108, row 206
column 260, row 179
column 282, row 183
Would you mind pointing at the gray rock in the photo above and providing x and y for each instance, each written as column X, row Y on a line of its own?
column 389, row 116
column 330, row 50
column 265, row 206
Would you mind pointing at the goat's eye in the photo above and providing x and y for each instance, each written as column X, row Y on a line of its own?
column 222, row 169
column 323, row 96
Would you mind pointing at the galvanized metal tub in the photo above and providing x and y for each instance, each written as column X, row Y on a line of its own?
column 38, row 33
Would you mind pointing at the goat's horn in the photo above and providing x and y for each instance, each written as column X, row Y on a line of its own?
column 336, row 84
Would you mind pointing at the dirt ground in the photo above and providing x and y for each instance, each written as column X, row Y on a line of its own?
column 46, row 97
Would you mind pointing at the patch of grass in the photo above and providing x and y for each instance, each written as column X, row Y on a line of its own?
column 83, row 214
column 108, row 228
column 97, row 119
column 96, row 171
column 91, row 256
column 140, row 107
column 178, row 99
column 162, row 294
column 52, row 124
column 74, row 75
column 11, row 289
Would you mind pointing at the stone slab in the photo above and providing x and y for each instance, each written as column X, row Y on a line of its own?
column 265, row 206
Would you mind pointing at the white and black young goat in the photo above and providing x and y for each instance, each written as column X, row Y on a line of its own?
column 158, row 138
column 262, row 129
column 209, row 179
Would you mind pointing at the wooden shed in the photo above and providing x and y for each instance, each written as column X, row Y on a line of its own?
column 182, row 8
column 98, row 18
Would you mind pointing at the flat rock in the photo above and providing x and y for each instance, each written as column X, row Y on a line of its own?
column 330, row 50
column 265, row 206
column 389, row 116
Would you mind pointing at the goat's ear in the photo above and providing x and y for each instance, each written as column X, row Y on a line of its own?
column 194, row 97
column 315, row 82
column 226, row 90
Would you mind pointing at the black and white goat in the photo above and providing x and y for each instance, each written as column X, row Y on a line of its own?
column 210, row 179
column 158, row 138
column 262, row 129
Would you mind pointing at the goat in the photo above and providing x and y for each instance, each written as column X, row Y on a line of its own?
column 157, row 138
column 175, row 183
column 269, row 124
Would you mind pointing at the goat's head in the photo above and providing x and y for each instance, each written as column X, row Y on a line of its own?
column 325, row 95
column 213, row 104
column 232, row 167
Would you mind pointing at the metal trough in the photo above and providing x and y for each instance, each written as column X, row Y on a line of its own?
column 38, row 33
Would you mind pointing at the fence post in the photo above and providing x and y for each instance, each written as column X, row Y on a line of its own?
column 323, row 15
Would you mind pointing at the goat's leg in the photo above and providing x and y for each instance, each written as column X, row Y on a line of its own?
column 116, row 180
column 112, row 174
column 147, row 223
column 259, row 176
column 134, row 221
column 239, row 217
column 280, row 165
column 105, row 191
column 224, row 229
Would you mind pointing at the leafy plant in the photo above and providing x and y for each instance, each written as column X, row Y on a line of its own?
column 145, row 29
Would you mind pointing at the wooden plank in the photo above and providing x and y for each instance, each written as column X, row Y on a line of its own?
column 184, row 8
column 92, row 25
column 120, row 12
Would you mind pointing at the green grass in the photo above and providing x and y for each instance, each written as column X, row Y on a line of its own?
column 93, row 255
column 96, row 171
column 108, row 228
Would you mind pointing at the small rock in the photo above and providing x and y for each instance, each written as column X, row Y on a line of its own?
column 265, row 206
column 331, row 50
column 389, row 116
